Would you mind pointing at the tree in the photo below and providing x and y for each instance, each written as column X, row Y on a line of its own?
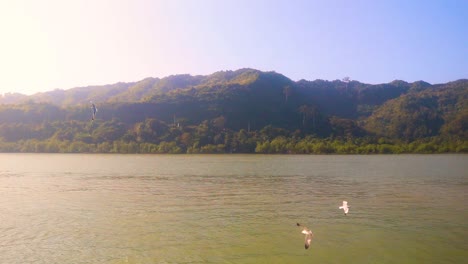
column 307, row 112
column 287, row 92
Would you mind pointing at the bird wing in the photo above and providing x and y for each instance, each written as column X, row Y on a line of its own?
column 308, row 239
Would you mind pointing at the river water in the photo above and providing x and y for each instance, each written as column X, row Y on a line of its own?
column 92, row 208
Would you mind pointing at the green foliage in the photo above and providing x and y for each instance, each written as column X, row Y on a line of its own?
column 432, row 112
column 243, row 111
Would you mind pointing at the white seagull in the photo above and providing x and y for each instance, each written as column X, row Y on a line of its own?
column 345, row 207
column 308, row 235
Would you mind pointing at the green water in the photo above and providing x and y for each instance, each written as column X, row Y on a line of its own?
column 59, row 208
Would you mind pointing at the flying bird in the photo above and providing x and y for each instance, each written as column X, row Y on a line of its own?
column 345, row 207
column 308, row 235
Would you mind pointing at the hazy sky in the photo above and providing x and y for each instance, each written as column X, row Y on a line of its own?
column 50, row 44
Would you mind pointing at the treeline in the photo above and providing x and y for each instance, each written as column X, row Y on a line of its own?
column 278, row 145
column 153, row 136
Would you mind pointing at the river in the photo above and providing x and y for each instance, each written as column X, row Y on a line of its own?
column 93, row 208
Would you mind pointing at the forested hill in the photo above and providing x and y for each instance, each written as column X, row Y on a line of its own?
column 240, row 111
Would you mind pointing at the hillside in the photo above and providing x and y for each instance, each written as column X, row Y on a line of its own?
column 192, row 112
column 436, row 110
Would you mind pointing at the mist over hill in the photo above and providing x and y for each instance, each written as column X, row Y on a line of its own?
column 239, row 111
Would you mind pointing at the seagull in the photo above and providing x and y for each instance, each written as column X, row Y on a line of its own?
column 308, row 235
column 345, row 207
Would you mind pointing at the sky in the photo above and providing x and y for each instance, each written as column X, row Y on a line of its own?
column 61, row 44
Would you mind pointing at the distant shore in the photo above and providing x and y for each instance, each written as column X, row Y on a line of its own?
column 279, row 145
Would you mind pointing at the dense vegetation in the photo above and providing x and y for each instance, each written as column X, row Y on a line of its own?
column 244, row 111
